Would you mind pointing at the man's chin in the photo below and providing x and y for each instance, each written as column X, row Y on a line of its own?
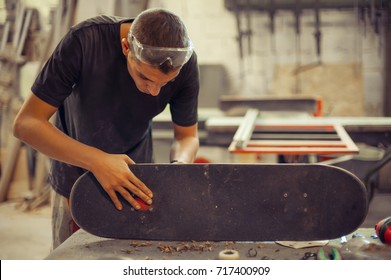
column 143, row 91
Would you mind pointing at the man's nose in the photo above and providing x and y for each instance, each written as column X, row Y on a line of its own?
column 153, row 89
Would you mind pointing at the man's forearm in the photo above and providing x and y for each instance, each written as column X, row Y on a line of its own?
column 184, row 150
column 55, row 144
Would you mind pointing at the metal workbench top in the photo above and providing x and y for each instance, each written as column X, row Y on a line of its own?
column 82, row 245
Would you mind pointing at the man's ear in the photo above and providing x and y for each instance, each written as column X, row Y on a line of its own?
column 125, row 47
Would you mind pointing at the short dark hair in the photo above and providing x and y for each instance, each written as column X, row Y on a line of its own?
column 160, row 28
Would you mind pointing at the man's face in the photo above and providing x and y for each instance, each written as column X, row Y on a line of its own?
column 148, row 79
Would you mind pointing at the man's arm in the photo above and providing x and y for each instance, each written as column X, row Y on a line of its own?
column 186, row 143
column 33, row 127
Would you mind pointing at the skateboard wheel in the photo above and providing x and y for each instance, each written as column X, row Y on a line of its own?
column 143, row 205
column 229, row 255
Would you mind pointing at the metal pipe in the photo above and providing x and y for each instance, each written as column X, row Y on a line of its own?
column 245, row 129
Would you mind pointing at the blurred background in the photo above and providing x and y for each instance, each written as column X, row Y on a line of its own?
column 299, row 63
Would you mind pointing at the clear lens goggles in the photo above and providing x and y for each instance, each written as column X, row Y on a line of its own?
column 156, row 56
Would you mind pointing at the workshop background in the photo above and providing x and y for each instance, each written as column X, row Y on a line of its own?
column 335, row 53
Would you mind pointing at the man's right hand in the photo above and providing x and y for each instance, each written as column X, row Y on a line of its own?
column 32, row 126
column 113, row 173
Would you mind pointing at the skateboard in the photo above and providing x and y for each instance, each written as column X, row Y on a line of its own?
column 228, row 202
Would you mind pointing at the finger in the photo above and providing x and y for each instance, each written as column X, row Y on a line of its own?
column 136, row 202
column 145, row 191
column 141, row 195
column 137, row 182
column 129, row 198
column 130, row 187
column 128, row 160
column 143, row 205
column 115, row 199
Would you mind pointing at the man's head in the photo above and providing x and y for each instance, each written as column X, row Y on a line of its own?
column 156, row 47
column 159, row 38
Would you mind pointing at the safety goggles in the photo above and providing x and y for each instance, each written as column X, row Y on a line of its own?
column 157, row 56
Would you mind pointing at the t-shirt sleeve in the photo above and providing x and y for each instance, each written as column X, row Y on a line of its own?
column 61, row 71
column 184, row 105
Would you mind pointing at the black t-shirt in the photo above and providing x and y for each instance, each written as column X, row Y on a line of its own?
column 99, row 104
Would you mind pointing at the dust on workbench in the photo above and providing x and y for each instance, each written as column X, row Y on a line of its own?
column 192, row 246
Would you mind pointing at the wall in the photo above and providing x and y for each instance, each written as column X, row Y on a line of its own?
column 350, row 78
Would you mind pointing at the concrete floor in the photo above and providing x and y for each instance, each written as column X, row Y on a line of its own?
column 24, row 235
column 27, row 235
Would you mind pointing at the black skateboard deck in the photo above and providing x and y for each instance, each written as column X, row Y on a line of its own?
column 228, row 202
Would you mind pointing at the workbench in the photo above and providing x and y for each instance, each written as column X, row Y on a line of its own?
column 216, row 129
column 82, row 245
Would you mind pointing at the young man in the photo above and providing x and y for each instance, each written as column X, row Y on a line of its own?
column 106, row 80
